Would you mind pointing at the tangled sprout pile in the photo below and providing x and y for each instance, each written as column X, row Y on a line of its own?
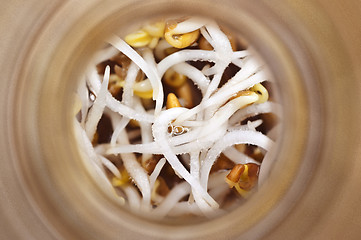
column 177, row 117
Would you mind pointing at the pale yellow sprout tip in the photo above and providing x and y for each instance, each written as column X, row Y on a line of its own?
column 261, row 91
column 138, row 39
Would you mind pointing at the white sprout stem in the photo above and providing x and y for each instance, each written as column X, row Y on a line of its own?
column 154, row 148
column 110, row 166
column 213, row 84
column 239, row 55
column 189, row 114
column 220, row 41
column 118, row 129
column 189, row 25
column 232, row 138
column 159, row 132
column 159, row 50
column 195, row 172
column 211, row 70
column 238, row 62
column 153, row 177
column 254, row 110
column 145, row 129
column 202, row 143
column 127, row 99
column 142, row 64
column 133, row 198
column 183, row 56
column 179, row 144
column 207, row 36
column 225, row 112
column 136, row 148
column 238, row 83
column 103, row 55
column 174, row 196
column 87, row 146
column 128, row 85
column 249, row 70
column 238, row 157
column 194, row 164
column 94, row 81
column 222, row 96
column 97, row 169
column 251, row 125
column 116, row 106
column 96, row 111
column 134, row 169
column 140, row 177
column 251, row 66
column 194, row 74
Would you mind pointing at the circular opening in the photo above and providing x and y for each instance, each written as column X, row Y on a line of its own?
column 76, row 190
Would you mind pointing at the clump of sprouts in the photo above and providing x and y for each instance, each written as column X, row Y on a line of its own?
column 176, row 117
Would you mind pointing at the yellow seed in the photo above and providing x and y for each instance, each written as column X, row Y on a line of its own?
column 261, row 91
column 155, row 29
column 172, row 101
column 179, row 40
column 138, row 39
column 145, row 95
column 174, row 79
